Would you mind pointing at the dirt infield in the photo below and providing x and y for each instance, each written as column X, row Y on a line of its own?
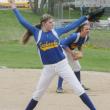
column 17, row 86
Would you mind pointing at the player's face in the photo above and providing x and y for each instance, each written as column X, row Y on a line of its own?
column 85, row 31
column 49, row 24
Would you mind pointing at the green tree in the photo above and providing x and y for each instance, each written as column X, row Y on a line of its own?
column 39, row 7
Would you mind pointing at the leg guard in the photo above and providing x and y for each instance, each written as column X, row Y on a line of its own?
column 84, row 97
column 31, row 105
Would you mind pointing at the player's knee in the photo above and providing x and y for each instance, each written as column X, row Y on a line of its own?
column 79, row 91
column 77, row 68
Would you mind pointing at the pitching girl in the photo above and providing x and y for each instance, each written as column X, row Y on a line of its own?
column 52, row 56
column 72, row 44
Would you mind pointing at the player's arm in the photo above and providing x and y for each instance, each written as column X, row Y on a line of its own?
column 68, row 40
column 80, row 51
column 92, row 17
column 70, row 52
column 75, row 55
column 71, row 26
column 20, row 18
column 80, row 48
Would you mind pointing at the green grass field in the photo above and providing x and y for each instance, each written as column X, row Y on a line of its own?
column 15, row 55
column 96, row 59
column 10, row 29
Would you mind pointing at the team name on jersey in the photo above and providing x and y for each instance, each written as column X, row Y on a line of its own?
column 48, row 45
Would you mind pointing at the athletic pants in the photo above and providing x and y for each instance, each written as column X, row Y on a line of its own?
column 62, row 69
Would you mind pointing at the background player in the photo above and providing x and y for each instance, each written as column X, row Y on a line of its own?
column 71, row 44
column 52, row 56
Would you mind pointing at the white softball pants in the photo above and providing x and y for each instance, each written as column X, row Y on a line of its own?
column 75, row 65
column 62, row 69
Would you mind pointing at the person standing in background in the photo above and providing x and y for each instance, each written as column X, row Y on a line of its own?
column 72, row 44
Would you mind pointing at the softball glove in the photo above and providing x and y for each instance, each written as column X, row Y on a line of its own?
column 78, row 55
column 96, row 15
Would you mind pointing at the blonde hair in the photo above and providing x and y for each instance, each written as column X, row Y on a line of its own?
column 45, row 17
column 79, row 29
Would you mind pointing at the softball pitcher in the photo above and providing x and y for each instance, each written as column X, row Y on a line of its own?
column 52, row 56
column 71, row 45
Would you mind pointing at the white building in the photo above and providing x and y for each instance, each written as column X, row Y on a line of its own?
column 17, row 1
column 92, row 3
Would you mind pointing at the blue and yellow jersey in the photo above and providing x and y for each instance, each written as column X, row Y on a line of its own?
column 74, row 41
column 48, row 44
